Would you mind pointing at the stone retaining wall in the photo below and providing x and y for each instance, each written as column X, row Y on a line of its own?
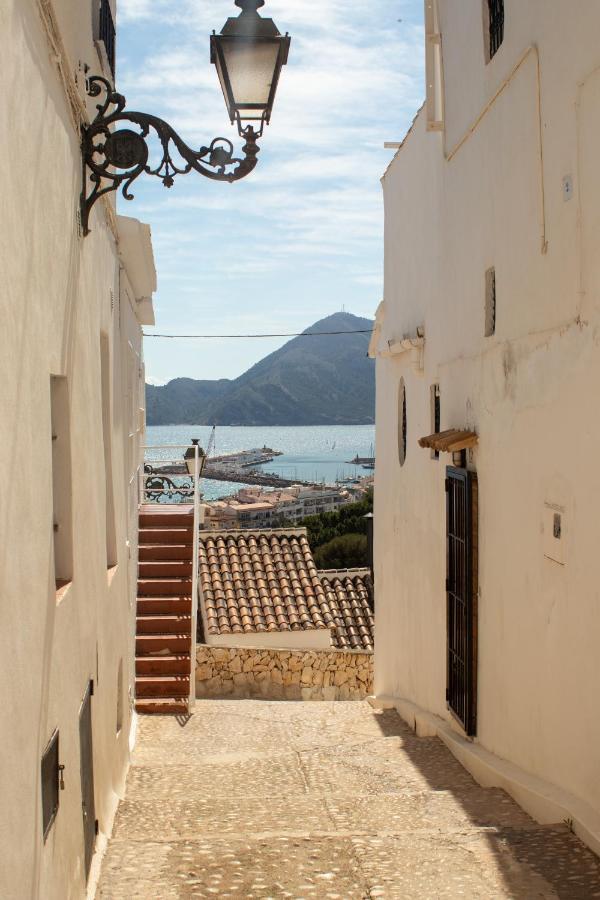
column 283, row 674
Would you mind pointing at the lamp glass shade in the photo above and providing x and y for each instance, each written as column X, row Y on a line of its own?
column 247, row 72
column 249, row 54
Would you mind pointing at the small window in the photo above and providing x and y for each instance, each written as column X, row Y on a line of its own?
column 111, row 537
column 402, row 422
column 490, row 302
column 435, row 415
column 120, row 697
column 50, row 780
column 493, row 14
column 61, row 480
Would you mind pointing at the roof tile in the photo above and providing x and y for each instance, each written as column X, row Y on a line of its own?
column 268, row 581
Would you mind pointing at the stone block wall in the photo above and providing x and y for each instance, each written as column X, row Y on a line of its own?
column 283, row 674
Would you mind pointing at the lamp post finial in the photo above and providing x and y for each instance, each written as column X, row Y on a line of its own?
column 249, row 6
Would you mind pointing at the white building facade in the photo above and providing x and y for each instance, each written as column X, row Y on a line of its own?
column 254, row 507
column 72, row 405
column 490, row 327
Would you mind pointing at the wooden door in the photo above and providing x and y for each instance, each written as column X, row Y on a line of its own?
column 461, row 596
column 87, row 778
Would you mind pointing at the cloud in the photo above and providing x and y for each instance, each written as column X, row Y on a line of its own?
column 307, row 226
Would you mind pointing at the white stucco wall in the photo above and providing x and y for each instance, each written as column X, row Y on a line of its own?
column 307, row 639
column 60, row 293
column 529, row 390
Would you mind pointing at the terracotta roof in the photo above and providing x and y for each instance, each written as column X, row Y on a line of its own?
column 349, row 595
column 449, row 441
column 267, row 581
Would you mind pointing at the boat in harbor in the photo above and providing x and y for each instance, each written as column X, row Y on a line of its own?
column 367, row 462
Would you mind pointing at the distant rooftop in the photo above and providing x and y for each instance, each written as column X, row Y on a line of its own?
column 267, row 581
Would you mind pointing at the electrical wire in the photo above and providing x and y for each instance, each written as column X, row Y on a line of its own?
column 226, row 337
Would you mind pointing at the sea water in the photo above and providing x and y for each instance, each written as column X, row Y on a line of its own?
column 310, row 453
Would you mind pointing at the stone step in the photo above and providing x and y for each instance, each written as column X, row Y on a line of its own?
column 169, row 686
column 170, row 552
column 165, row 706
column 159, row 645
column 174, row 664
column 175, row 624
column 164, row 587
column 162, row 568
column 166, row 520
column 166, row 535
column 170, row 606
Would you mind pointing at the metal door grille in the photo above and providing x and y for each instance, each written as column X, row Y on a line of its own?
column 87, row 779
column 496, row 15
column 107, row 32
column 461, row 592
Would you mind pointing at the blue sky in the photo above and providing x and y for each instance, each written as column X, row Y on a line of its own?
column 302, row 236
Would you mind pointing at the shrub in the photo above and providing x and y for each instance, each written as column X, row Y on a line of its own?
column 348, row 551
column 349, row 520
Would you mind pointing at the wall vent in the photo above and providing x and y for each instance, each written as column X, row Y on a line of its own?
column 436, row 416
column 402, row 423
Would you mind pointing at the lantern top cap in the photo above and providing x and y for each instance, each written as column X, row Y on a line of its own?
column 249, row 6
column 250, row 24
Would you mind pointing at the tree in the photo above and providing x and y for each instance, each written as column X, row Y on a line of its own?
column 349, row 520
column 349, row 551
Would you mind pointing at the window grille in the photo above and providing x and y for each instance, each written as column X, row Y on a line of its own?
column 402, row 422
column 50, row 784
column 496, row 25
column 436, row 415
column 490, row 302
column 107, row 33
column 461, row 593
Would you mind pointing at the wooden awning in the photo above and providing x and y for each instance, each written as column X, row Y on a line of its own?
column 449, row 441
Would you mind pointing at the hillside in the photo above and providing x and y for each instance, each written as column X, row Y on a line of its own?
column 322, row 380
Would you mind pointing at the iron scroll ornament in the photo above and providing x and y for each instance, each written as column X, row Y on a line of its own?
column 157, row 486
column 105, row 150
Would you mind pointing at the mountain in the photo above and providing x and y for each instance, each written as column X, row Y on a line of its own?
column 321, row 380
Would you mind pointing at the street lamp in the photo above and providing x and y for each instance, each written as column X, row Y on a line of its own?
column 249, row 54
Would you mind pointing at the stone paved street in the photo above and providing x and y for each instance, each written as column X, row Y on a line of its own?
column 252, row 799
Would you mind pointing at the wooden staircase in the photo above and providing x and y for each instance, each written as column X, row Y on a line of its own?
column 164, row 610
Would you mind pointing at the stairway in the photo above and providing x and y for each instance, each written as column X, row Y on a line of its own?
column 164, row 610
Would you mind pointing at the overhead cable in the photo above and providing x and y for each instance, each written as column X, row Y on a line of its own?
column 223, row 337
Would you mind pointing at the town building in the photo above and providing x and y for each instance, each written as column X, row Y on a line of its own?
column 254, row 507
column 274, row 626
column 265, row 586
column 487, row 482
column 72, row 405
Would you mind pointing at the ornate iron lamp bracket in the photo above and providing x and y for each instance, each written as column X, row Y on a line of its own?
column 114, row 158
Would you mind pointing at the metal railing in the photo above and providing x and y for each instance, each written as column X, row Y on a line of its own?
column 160, row 487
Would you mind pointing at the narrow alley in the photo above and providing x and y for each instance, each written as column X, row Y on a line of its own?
column 253, row 799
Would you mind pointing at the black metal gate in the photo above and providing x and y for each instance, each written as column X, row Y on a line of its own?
column 87, row 779
column 461, row 592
